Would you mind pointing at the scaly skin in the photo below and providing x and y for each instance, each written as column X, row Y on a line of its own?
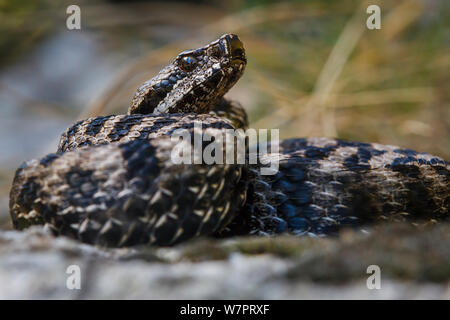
column 112, row 181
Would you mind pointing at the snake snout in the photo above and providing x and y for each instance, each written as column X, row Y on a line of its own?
column 236, row 48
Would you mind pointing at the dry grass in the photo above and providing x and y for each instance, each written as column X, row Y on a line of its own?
column 383, row 86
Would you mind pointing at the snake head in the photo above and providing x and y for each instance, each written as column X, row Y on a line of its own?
column 194, row 81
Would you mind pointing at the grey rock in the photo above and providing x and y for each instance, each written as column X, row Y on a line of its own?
column 33, row 265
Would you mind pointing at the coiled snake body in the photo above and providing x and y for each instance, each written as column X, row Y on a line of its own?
column 112, row 181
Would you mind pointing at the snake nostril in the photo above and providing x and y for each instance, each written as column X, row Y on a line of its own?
column 238, row 52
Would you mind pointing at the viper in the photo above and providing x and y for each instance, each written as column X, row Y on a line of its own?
column 113, row 181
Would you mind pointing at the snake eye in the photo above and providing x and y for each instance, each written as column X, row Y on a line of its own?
column 188, row 63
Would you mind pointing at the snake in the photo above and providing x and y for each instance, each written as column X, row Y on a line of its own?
column 112, row 180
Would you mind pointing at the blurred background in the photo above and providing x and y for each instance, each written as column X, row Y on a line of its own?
column 314, row 69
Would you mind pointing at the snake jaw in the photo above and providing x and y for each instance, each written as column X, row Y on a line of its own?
column 194, row 81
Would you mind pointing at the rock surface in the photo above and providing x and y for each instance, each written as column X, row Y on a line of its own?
column 414, row 264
